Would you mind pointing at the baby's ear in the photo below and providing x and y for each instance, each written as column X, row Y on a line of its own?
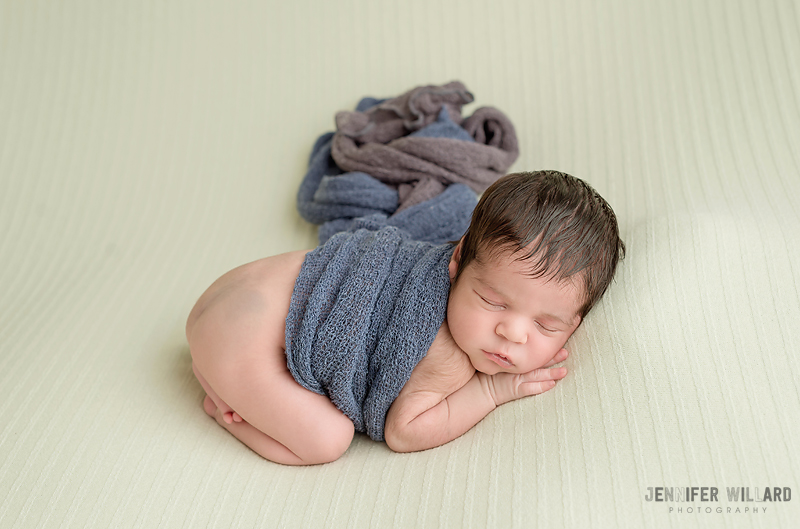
column 453, row 265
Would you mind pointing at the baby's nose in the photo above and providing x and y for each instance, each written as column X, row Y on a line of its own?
column 512, row 331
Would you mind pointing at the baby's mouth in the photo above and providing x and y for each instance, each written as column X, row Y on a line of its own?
column 499, row 359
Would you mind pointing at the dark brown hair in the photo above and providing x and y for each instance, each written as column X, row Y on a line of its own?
column 557, row 222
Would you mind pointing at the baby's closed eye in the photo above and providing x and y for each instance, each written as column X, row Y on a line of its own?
column 546, row 328
column 490, row 302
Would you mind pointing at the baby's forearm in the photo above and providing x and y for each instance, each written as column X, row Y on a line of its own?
column 443, row 422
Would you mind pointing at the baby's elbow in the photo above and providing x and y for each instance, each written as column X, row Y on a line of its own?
column 396, row 444
column 395, row 439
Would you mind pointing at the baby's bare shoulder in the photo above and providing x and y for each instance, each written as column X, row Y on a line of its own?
column 444, row 369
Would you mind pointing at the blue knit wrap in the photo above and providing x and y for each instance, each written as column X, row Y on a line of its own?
column 364, row 311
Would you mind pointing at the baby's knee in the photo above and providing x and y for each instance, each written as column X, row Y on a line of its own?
column 330, row 444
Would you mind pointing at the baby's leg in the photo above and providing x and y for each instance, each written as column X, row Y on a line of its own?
column 282, row 421
column 245, row 368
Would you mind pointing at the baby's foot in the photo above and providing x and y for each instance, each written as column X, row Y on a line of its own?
column 209, row 406
column 227, row 416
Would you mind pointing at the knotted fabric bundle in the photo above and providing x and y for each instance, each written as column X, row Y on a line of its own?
column 380, row 142
column 345, row 201
column 364, row 311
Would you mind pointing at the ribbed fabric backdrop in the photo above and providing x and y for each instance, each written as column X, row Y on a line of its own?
column 148, row 147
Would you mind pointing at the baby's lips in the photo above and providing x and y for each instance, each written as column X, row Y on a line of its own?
column 507, row 359
column 502, row 356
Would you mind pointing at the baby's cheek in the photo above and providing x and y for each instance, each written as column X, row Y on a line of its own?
column 460, row 329
column 456, row 333
column 553, row 346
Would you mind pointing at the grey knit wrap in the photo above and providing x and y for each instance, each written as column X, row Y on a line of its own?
column 364, row 311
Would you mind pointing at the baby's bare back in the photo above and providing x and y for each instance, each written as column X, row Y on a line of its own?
column 264, row 288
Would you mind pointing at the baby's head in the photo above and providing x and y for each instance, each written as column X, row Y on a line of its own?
column 539, row 253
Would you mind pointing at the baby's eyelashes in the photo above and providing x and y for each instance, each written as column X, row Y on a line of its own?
column 546, row 329
column 491, row 303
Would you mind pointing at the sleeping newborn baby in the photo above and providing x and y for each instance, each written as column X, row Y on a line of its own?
column 292, row 369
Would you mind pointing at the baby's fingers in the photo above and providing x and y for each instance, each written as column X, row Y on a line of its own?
column 545, row 374
column 558, row 358
column 528, row 389
column 540, row 380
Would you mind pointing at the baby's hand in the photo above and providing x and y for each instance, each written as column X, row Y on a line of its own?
column 505, row 387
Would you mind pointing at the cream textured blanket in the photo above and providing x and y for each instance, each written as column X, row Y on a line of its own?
column 146, row 148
